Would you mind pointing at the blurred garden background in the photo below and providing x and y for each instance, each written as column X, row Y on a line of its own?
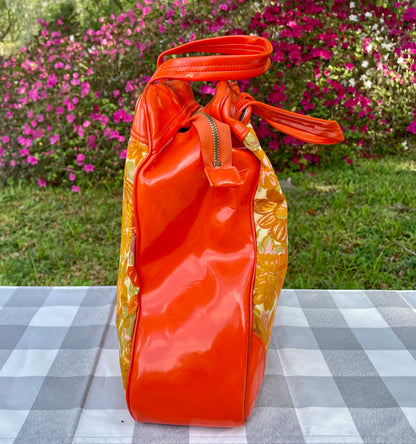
column 71, row 72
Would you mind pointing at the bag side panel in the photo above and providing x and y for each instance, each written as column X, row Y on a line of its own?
column 196, row 266
column 128, row 285
column 270, row 217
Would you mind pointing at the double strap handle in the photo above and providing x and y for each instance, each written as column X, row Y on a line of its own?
column 245, row 57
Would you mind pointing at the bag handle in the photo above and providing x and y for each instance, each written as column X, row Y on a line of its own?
column 245, row 57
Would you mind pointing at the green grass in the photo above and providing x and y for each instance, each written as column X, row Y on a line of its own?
column 53, row 236
column 353, row 227
column 349, row 227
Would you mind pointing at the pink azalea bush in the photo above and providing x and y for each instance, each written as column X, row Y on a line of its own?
column 67, row 101
column 351, row 61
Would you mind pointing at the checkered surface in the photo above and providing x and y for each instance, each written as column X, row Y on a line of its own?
column 341, row 368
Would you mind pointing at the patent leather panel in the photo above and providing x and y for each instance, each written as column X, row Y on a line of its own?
column 196, row 261
column 255, row 372
column 149, row 126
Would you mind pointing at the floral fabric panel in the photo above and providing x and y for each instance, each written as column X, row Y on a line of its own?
column 128, row 285
column 270, row 218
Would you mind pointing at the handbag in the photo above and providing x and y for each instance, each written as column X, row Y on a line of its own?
column 204, row 238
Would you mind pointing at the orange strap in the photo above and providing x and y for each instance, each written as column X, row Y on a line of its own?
column 246, row 56
column 306, row 128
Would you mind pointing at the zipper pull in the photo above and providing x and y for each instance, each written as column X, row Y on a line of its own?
column 216, row 149
column 216, row 140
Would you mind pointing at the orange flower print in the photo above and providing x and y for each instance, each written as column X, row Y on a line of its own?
column 269, row 280
column 274, row 214
column 268, row 177
column 136, row 150
column 263, row 325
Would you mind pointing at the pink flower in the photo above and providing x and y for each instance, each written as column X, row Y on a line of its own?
column 146, row 10
column 206, row 89
column 70, row 117
column 41, row 183
column 33, row 95
column 75, row 189
column 55, row 138
column 32, row 160
column 24, row 141
column 86, row 124
column 412, row 127
column 89, row 167
column 85, row 89
column 409, row 15
column 72, row 177
column 91, row 141
column 349, row 66
column 23, row 152
column 5, row 139
column 80, row 159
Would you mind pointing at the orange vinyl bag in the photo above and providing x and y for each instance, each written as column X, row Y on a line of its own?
column 204, row 238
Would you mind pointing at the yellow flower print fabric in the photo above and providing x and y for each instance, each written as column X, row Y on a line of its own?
column 128, row 285
column 270, row 218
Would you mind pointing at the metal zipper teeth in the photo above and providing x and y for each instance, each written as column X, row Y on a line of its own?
column 216, row 140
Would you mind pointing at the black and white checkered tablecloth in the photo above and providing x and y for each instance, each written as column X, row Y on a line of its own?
column 341, row 368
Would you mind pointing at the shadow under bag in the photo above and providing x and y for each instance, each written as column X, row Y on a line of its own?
column 204, row 238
